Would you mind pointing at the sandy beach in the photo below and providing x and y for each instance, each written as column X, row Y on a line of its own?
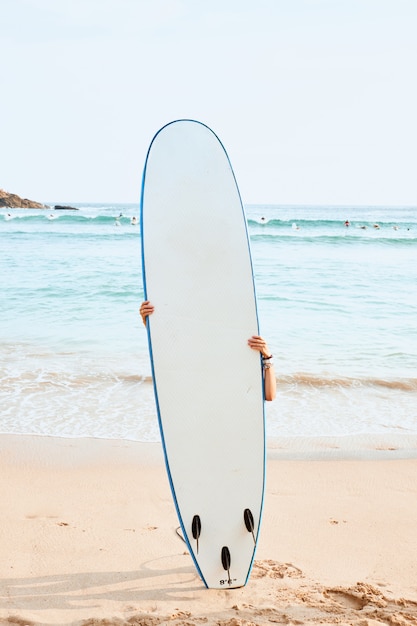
column 87, row 536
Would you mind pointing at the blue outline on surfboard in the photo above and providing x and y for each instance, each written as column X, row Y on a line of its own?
column 186, row 537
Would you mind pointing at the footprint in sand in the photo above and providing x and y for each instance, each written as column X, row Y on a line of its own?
column 274, row 569
column 357, row 597
column 346, row 599
column 376, row 609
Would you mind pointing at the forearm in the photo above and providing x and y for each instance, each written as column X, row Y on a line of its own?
column 258, row 343
column 270, row 383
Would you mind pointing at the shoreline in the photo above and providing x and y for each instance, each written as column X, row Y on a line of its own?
column 50, row 449
column 87, row 537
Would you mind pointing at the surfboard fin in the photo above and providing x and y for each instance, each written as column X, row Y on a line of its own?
column 249, row 522
column 226, row 562
column 196, row 528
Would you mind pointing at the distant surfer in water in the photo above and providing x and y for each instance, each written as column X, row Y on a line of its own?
column 256, row 343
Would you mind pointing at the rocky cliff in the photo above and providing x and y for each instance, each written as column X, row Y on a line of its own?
column 14, row 201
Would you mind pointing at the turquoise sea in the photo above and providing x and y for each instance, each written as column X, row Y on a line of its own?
column 337, row 304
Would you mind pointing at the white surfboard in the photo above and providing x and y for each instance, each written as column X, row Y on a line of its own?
column 197, row 273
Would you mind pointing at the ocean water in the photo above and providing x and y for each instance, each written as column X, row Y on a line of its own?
column 337, row 304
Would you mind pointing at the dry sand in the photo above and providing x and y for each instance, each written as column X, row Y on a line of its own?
column 87, row 536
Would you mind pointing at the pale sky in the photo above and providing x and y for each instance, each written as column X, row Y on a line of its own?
column 315, row 101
